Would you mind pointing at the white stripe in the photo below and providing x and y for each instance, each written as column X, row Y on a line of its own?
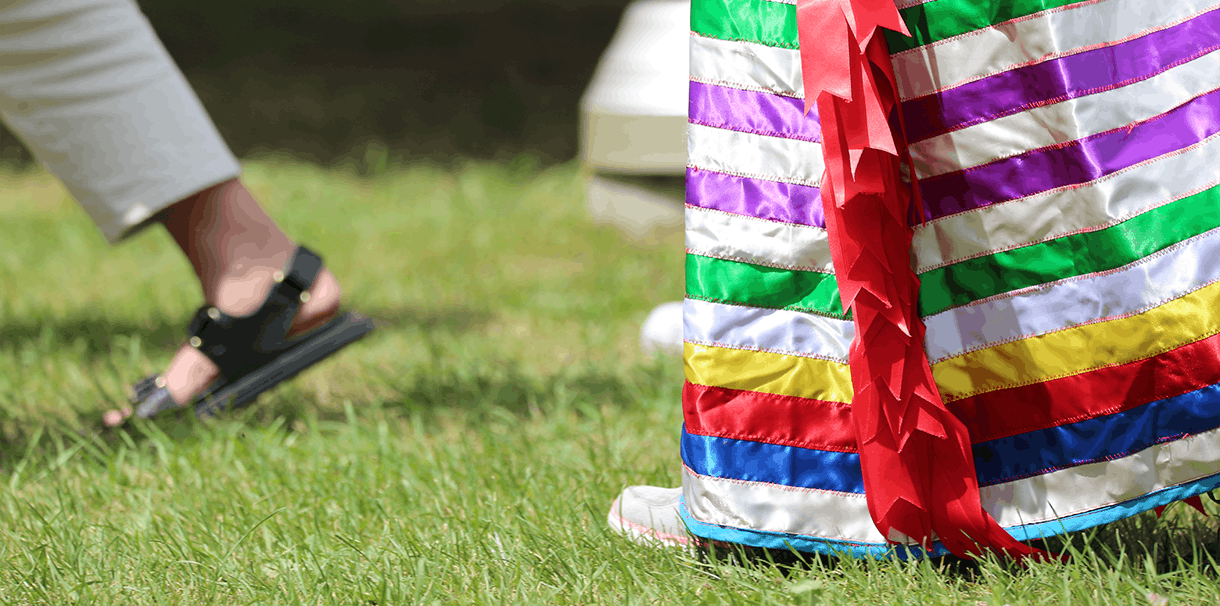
column 1048, row 35
column 1044, row 498
column 775, row 330
column 1067, row 121
column 746, row 65
column 754, row 156
column 1088, row 487
column 1067, row 210
column 1150, row 282
column 775, row 508
column 715, row 233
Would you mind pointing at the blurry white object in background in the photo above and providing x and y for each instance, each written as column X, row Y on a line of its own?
column 633, row 120
column 662, row 331
column 633, row 113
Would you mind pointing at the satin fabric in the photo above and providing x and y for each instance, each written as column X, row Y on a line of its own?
column 1074, row 30
column 997, row 461
column 1133, row 289
column 1037, row 126
column 937, row 21
column 1075, row 336
column 1089, row 252
column 754, row 156
column 1082, row 348
column 767, row 372
column 1079, row 162
column 749, row 239
column 762, row 417
column 746, row 66
column 1028, row 508
column 774, row 330
column 1080, row 75
column 751, row 112
column 1089, row 395
column 1064, row 211
column 761, row 286
column 772, row 200
column 773, row 463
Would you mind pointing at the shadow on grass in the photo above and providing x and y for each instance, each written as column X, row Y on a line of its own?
column 486, row 391
column 100, row 335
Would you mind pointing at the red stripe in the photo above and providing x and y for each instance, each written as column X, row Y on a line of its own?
column 770, row 418
column 1093, row 394
column 792, row 421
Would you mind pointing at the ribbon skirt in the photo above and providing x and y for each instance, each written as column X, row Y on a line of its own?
column 1068, row 259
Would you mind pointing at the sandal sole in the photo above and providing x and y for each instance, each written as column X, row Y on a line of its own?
column 319, row 345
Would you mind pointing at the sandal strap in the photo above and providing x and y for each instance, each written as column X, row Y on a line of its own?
column 238, row 344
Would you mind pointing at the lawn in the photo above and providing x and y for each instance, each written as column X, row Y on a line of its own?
column 467, row 452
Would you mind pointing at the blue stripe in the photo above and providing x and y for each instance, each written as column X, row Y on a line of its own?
column 1099, row 439
column 761, row 462
column 839, row 547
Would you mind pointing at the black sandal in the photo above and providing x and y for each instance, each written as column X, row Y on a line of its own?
column 251, row 351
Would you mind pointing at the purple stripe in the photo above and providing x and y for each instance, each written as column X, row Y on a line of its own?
column 772, row 200
column 1061, row 79
column 1074, row 162
column 751, row 112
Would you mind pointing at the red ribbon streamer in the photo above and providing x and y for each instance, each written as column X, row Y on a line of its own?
column 915, row 455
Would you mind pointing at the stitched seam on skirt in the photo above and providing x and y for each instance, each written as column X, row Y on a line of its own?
column 1111, row 503
column 997, row 26
column 1111, row 457
column 1076, row 142
column 1066, row 97
column 745, row 41
column 740, row 347
column 1051, row 56
column 780, row 486
column 1082, row 277
column 799, row 226
column 761, row 133
column 760, row 177
column 748, row 87
column 751, row 305
column 762, row 262
column 956, row 397
column 774, row 441
column 1072, row 186
column 1074, row 418
column 1082, row 230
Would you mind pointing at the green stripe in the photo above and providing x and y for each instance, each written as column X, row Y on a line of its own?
column 774, row 23
column 769, row 23
column 970, row 280
column 723, row 281
column 1069, row 256
column 942, row 19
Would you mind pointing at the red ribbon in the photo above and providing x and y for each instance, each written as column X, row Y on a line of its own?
column 915, row 455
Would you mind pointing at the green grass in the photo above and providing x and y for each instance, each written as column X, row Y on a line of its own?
column 465, row 453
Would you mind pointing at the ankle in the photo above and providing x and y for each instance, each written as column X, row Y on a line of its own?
column 241, row 290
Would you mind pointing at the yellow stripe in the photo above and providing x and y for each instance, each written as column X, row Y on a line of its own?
column 1076, row 350
column 766, row 372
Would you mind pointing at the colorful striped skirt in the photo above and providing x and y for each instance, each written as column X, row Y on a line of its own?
column 1068, row 159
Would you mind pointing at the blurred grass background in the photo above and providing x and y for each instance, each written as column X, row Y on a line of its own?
column 330, row 82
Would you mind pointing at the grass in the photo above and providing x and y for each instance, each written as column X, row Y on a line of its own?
column 465, row 453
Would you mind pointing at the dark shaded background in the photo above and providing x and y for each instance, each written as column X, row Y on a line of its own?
column 332, row 80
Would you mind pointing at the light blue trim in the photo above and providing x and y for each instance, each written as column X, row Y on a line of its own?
column 1023, row 532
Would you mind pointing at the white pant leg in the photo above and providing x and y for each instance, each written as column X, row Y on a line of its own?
column 91, row 91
